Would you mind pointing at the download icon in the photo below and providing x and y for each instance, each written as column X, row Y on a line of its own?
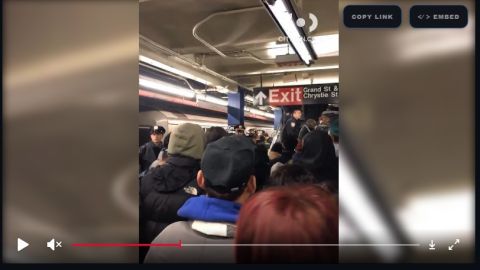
column 432, row 245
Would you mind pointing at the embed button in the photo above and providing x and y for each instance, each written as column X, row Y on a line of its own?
column 372, row 16
column 438, row 16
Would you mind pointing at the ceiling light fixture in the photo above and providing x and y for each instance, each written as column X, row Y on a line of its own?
column 171, row 89
column 271, row 71
column 284, row 15
column 173, row 70
column 166, row 87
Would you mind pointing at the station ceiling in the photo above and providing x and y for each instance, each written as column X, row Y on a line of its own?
column 170, row 24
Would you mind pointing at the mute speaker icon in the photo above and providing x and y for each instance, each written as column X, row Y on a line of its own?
column 51, row 244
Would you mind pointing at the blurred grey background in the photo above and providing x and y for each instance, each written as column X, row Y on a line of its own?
column 407, row 111
column 70, row 129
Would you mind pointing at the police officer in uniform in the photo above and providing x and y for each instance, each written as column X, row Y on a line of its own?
column 292, row 127
column 148, row 152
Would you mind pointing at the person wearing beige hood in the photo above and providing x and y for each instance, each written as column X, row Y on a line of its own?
column 166, row 188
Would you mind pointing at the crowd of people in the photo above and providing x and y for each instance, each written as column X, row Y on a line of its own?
column 237, row 198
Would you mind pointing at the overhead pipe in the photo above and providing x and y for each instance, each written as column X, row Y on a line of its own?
column 213, row 48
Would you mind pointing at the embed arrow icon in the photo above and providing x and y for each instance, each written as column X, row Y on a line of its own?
column 259, row 98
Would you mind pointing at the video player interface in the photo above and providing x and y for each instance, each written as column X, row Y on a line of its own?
column 222, row 131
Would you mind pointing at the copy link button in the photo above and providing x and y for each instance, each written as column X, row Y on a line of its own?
column 438, row 16
column 372, row 16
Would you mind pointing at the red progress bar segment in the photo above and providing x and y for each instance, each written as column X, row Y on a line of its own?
column 178, row 245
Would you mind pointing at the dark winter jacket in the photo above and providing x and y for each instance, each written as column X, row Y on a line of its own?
column 147, row 154
column 285, row 157
column 280, row 161
column 304, row 131
column 163, row 191
column 291, row 130
column 318, row 156
column 262, row 165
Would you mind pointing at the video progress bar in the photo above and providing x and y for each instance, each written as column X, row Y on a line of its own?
column 180, row 244
column 299, row 245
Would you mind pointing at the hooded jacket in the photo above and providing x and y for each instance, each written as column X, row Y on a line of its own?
column 318, row 156
column 210, row 221
column 187, row 140
column 163, row 191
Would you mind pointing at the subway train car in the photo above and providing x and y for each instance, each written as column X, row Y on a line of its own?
column 171, row 119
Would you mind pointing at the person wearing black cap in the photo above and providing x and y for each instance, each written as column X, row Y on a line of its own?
column 239, row 130
column 227, row 177
column 148, row 152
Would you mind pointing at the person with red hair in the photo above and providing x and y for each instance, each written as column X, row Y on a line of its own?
column 289, row 224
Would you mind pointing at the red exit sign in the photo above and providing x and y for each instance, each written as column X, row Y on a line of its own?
column 296, row 95
column 285, row 96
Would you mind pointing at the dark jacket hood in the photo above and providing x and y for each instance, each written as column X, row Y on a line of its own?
column 318, row 156
column 210, row 209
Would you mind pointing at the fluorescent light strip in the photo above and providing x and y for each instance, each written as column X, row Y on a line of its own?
column 166, row 88
column 332, row 79
column 184, row 92
column 275, row 49
column 157, row 64
column 220, row 123
column 285, row 19
column 325, row 45
column 293, row 69
column 222, row 90
column 200, row 123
